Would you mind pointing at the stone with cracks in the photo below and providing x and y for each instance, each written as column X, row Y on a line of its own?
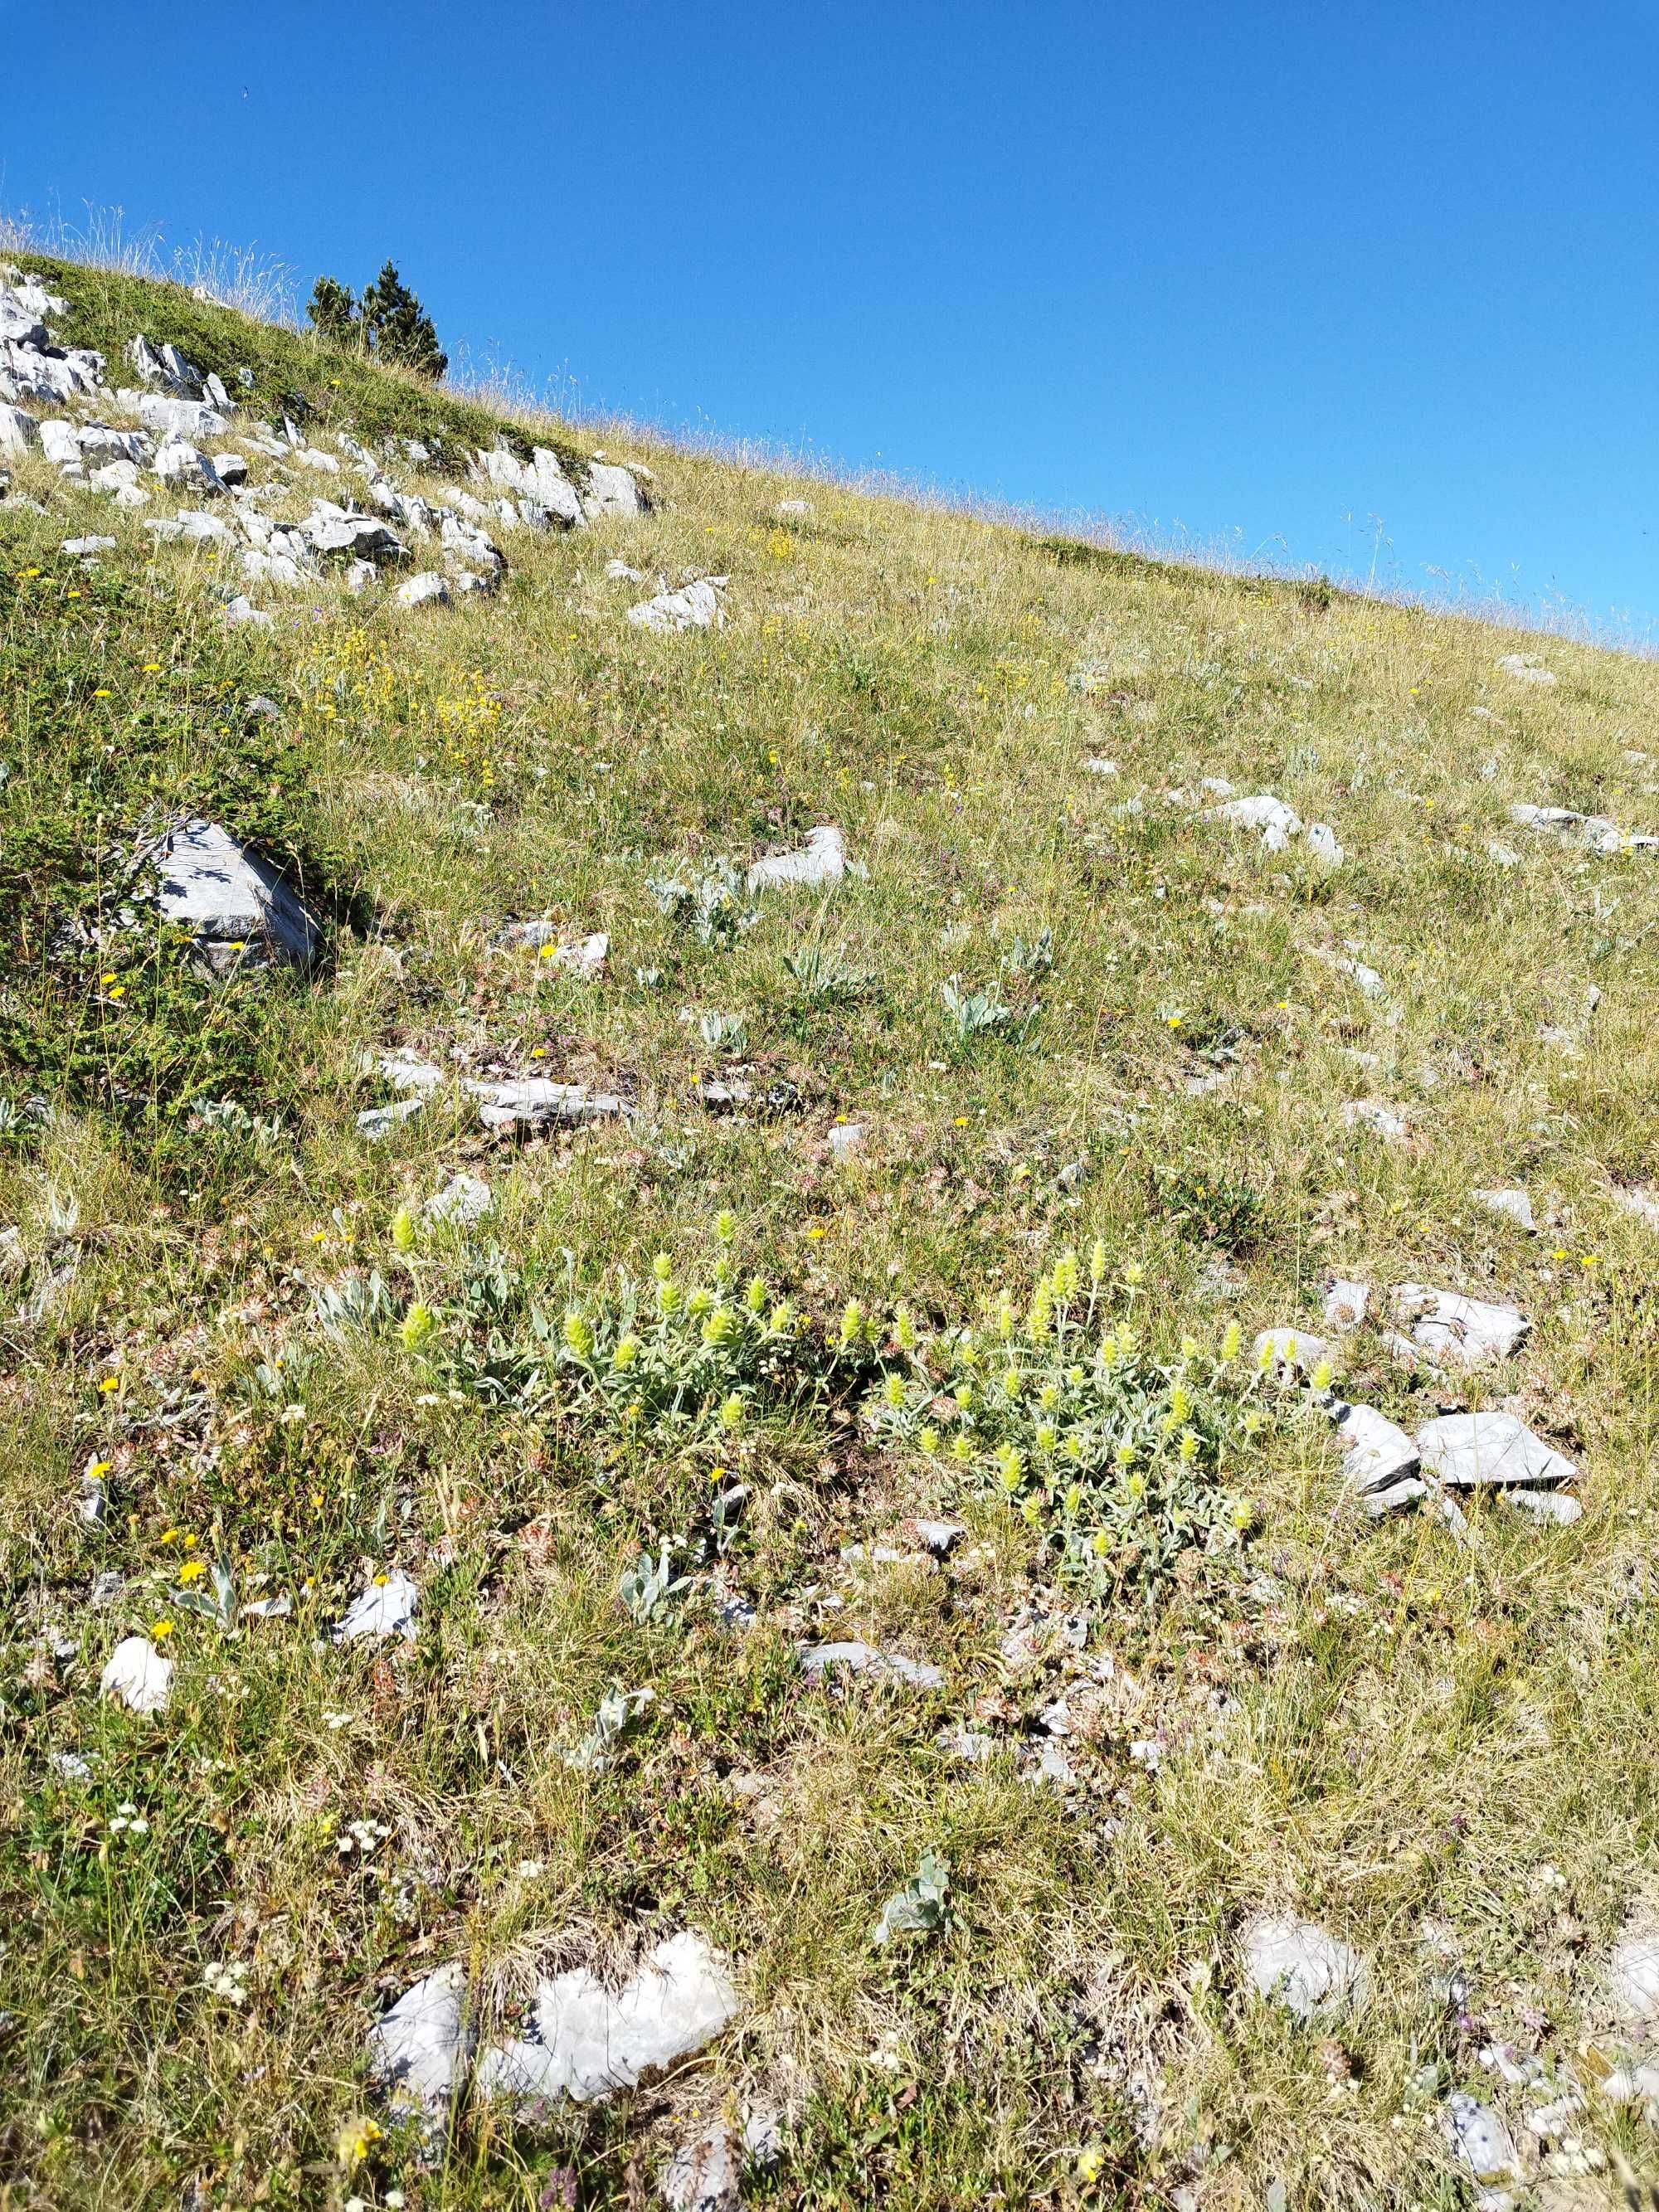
column 1451, row 1327
column 177, row 461
column 1489, row 1450
column 613, row 490
column 234, row 904
column 703, row 2174
column 1303, row 1966
column 865, row 1659
column 1345, row 1304
column 822, row 861
column 174, row 418
column 84, row 546
column 591, row 2040
column 138, row 1675
column 1375, row 1455
column 1479, row 2134
column 18, row 430
column 1525, row 668
column 1633, row 1977
column 20, row 325
column 356, row 537
column 697, row 606
column 386, row 1607
column 1513, row 1205
column 535, row 1103
column 1277, row 822
column 427, row 589
column 1552, row 1507
column 463, row 1199
column 417, row 2050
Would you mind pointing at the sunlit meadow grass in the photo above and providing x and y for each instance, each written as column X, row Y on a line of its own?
column 1442, row 1752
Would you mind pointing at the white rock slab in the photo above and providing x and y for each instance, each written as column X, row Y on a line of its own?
column 612, row 490
column 1479, row 2134
column 1287, row 1353
column 138, row 1675
column 416, row 2051
column 1489, row 1450
column 234, row 904
column 1458, row 1328
column 1553, row 1507
column 1374, row 1114
column 1376, row 1455
column 1323, row 844
column 463, row 1200
column 844, row 1141
column 535, row 1103
column 1345, row 1304
column 385, row 1608
column 18, row 430
column 591, row 2040
column 1303, row 1966
column 704, row 2175
column 697, row 606
column 1633, row 1977
column 865, row 1659
column 820, row 861
column 1277, row 822
column 1513, row 1205
column 1525, row 668
column 428, row 589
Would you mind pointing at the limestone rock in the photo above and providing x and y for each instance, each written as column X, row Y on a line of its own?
column 416, row 2051
column 1489, row 1450
column 590, row 2040
column 1276, row 822
column 1525, row 668
column 864, row 1659
column 138, row 1675
column 1323, row 845
column 1303, row 1966
column 1374, row 1114
column 822, row 861
column 356, row 537
column 613, row 490
column 1553, row 1507
column 177, row 461
column 1376, row 1455
column 1288, row 1353
column 1345, row 1304
column 82, row 547
column 1513, row 1205
column 534, row 1103
column 426, row 589
column 234, row 903
column 1454, row 1328
column 1477, row 2134
column 1633, row 1977
column 18, row 430
column 386, row 1607
column 697, row 606
column 703, row 2174
column 845, row 1141
column 175, row 418
column 463, row 1200
column 20, row 325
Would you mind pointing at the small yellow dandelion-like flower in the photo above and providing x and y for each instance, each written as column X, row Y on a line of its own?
column 192, row 1571
column 161, row 1628
column 110, row 1383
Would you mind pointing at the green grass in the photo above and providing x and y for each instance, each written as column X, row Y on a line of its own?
column 1362, row 1721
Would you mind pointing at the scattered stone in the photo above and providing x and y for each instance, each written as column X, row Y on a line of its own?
column 1289, row 1353
column 697, row 606
column 590, row 2040
column 1633, row 1977
column 1595, row 830
column 940, row 1538
column 1345, row 1304
column 586, row 958
column 1322, row 844
column 232, row 467
column 1373, row 1113
column 1504, row 855
column 702, row 2175
column 613, row 490
column 1553, row 1506
column 138, row 1675
column 845, row 1141
column 358, row 537
column 386, row 1607
column 177, row 461
column 864, row 1659
column 235, row 905
column 1489, row 1450
column 1276, row 822
column 534, row 1103
column 1525, row 668
column 82, row 547
column 463, row 1200
column 1394, row 1497
column 1477, row 2134
column 1376, row 1455
column 377, row 1122
column 618, row 572
column 429, row 588
column 1513, row 1205
column 175, row 418
column 1096, row 765
column 795, row 507
column 822, row 861
column 18, row 430
column 1451, row 1327
column 417, row 2050
column 241, row 609
column 1303, row 1967
column 1640, row 1200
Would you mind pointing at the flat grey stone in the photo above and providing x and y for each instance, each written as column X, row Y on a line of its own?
column 376, row 1122
column 1345, row 1304
column 703, row 2174
column 1373, row 1113
column 1525, row 668
column 591, row 2040
column 1479, row 2134
column 18, row 430
column 1489, row 1450
column 865, row 1659
column 418, row 2049
column 1323, row 845
column 175, row 418
column 463, row 1199
column 1289, row 1353
column 241, row 609
column 1303, row 1966
column 426, row 589
column 138, row 1674
column 386, row 1607
column 796, row 506
column 534, row 1103
column 1633, row 1977
column 1394, row 1497
column 1277, row 822
column 1513, row 1205
column 820, row 861
column 234, row 904
column 697, row 606
column 1461, row 1330
column 1553, row 1506
column 357, row 536
column 845, row 1141
column 1639, row 1199
column 80, row 547
column 404, row 1070
column 1376, row 1455
column 613, row 489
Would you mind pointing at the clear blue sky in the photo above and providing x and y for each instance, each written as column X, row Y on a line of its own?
column 1248, row 268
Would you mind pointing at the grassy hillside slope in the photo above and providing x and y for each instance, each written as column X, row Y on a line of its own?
column 1067, row 1017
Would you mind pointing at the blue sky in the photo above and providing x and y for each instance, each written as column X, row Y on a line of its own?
column 1267, row 273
